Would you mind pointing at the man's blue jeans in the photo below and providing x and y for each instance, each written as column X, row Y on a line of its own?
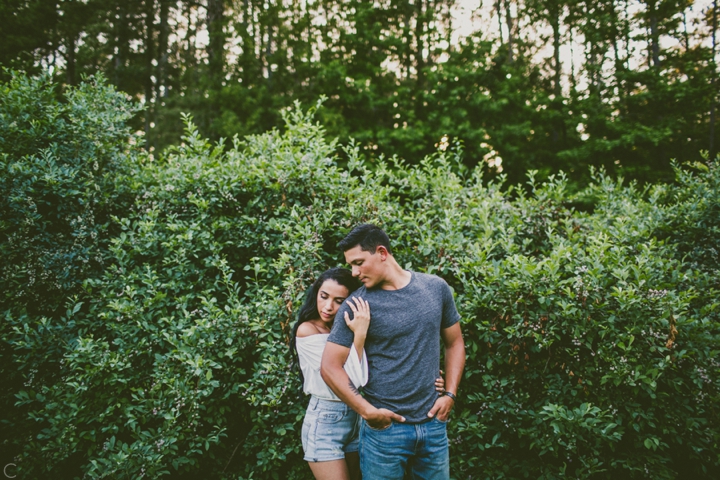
column 420, row 449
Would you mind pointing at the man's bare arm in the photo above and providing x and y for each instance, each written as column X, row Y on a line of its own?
column 334, row 375
column 454, row 366
column 454, row 356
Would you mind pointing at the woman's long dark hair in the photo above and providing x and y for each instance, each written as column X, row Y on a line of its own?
column 309, row 309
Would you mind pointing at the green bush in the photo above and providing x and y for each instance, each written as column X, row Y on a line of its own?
column 61, row 157
column 592, row 335
column 59, row 164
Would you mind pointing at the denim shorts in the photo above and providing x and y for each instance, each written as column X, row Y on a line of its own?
column 329, row 431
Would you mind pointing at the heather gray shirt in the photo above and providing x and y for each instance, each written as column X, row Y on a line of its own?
column 403, row 343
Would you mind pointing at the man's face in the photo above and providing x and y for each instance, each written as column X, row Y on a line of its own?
column 366, row 266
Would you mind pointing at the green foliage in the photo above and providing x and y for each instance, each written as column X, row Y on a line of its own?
column 59, row 164
column 548, row 85
column 591, row 335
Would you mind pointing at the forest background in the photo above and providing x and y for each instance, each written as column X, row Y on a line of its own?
column 152, row 263
column 535, row 84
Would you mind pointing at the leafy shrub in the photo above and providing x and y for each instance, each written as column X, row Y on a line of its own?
column 591, row 336
column 61, row 157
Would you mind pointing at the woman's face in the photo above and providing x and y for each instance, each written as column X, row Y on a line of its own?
column 329, row 298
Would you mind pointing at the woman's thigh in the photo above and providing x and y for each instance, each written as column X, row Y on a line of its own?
column 331, row 470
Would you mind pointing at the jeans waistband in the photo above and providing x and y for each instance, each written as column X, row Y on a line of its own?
column 317, row 403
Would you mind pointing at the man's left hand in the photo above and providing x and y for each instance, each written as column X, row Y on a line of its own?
column 441, row 408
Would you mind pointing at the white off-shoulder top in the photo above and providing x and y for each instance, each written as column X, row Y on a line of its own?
column 310, row 350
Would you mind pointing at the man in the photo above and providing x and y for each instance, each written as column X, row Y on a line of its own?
column 404, row 421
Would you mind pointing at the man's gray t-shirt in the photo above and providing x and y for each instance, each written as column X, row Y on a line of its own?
column 403, row 343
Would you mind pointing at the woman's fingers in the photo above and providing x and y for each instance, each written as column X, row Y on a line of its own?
column 440, row 383
column 366, row 306
column 361, row 310
column 359, row 305
column 361, row 315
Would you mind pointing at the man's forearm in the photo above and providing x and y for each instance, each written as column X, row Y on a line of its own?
column 335, row 376
column 454, row 365
column 339, row 382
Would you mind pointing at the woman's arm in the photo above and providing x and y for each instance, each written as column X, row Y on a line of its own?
column 359, row 324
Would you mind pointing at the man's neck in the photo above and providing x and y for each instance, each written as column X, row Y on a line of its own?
column 397, row 278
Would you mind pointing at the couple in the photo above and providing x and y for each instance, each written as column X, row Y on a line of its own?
column 396, row 357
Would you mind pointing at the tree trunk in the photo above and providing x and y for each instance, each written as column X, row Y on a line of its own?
column 244, row 33
column 654, row 35
column 268, row 55
column 509, row 19
column 627, row 39
column 618, row 66
column 251, row 61
column 498, row 9
column 617, row 32
column 407, row 37
column 555, row 20
column 149, row 57
column 121, row 46
column 557, row 87
column 714, row 101
column 419, row 33
column 573, row 83
column 216, row 44
column 70, row 59
column 592, row 68
column 162, row 51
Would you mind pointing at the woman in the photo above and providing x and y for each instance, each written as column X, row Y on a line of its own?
column 330, row 428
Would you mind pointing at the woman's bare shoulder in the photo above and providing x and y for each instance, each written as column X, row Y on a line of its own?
column 306, row 329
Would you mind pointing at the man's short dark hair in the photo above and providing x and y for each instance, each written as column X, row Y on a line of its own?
column 368, row 236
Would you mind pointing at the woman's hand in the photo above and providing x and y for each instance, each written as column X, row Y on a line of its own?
column 440, row 383
column 361, row 316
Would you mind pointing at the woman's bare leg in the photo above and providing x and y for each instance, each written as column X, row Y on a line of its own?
column 353, row 463
column 332, row 470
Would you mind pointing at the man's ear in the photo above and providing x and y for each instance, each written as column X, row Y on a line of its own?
column 382, row 251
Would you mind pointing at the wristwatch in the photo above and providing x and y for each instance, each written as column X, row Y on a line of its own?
column 451, row 395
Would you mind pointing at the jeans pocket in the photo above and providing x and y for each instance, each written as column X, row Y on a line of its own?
column 441, row 421
column 329, row 417
column 379, row 429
